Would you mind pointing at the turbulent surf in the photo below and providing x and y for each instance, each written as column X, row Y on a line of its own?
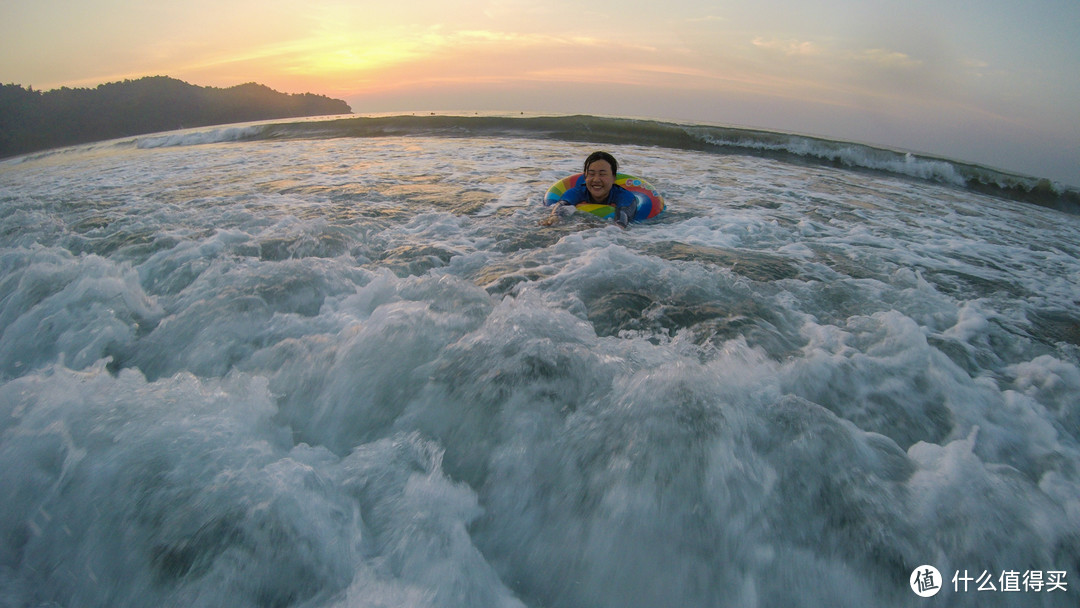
column 337, row 363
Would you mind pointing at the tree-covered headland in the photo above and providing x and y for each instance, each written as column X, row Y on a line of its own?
column 33, row 120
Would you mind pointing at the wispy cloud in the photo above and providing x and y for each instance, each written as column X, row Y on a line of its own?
column 791, row 47
column 889, row 59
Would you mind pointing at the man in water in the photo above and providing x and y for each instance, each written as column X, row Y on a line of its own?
column 598, row 187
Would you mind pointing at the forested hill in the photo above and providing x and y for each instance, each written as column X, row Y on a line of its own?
column 32, row 120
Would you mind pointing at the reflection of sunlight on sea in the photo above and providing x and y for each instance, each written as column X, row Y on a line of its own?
column 355, row 371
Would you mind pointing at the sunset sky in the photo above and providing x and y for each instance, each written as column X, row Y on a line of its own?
column 995, row 82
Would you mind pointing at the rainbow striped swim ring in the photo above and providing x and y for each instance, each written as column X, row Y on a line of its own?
column 650, row 203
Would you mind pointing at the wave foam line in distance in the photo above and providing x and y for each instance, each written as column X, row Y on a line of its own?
column 692, row 137
column 199, row 137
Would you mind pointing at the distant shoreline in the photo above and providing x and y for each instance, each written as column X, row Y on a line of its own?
column 32, row 121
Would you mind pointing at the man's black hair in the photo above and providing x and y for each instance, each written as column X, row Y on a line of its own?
column 595, row 156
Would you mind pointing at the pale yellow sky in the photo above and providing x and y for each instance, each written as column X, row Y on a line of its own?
column 993, row 83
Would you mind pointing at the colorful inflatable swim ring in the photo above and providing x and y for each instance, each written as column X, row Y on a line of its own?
column 650, row 203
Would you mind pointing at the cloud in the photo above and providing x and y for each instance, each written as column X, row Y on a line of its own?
column 889, row 59
column 790, row 47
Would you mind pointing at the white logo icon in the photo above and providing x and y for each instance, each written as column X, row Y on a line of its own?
column 926, row 581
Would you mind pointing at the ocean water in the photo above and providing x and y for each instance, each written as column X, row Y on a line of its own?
column 338, row 363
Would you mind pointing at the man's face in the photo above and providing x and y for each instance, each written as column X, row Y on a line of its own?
column 598, row 179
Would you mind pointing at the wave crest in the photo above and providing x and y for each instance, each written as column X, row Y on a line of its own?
column 626, row 131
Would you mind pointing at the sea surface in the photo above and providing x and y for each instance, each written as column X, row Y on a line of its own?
column 337, row 363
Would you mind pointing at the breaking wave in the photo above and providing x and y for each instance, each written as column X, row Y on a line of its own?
column 628, row 131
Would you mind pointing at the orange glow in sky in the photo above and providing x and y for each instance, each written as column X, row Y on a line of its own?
column 993, row 82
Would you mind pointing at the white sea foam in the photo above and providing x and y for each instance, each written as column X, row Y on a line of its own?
column 354, row 372
column 197, row 137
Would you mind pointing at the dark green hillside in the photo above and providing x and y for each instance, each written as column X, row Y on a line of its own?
column 32, row 120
